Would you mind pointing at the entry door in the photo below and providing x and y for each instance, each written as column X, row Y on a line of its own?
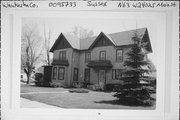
column 75, row 76
column 102, row 77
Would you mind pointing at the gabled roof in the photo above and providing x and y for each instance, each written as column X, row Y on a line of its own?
column 99, row 36
column 118, row 39
column 125, row 37
column 86, row 43
column 72, row 40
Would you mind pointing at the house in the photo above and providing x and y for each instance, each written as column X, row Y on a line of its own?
column 97, row 60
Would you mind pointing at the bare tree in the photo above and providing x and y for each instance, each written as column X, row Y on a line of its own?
column 30, row 48
column 81, row 32
column 47, row 37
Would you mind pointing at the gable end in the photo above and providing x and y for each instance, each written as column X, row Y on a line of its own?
column 101, row 40
column 61, row 43
column 146, row 38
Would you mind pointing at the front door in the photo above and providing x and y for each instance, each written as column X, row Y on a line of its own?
column 102, row 77
column 75, row 76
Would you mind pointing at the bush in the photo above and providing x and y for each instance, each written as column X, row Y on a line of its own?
column 55, row 85
column 112, row 87
column 109, row 87
column 85, row 84
column 80, row 90
column 40, row 82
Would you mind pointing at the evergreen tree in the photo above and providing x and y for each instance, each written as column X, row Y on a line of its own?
column 134, row 91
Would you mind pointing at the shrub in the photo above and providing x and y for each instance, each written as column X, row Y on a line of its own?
column 40, row 82
column 79, row 90
column 85, row 84
column 55, row 85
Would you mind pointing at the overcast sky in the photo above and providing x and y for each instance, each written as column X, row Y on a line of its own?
column 97, row 22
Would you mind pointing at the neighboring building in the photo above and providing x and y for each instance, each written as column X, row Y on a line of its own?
column 23, row 76
column 97, row 60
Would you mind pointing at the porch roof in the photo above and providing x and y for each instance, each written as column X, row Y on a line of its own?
column 60, row 62
column 100, row 64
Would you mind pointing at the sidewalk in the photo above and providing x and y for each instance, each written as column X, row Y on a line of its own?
column 25, row 103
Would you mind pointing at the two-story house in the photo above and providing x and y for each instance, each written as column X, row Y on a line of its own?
column 97, row 60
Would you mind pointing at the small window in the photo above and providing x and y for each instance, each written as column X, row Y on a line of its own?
column 102, row 55
column 116, row 73
column 119, row 55
column 62, row 55
column 87, row 57
column 60, row 73
column 54, row 73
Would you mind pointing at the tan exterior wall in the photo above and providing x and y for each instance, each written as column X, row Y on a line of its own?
column 68, row 71
column 82, row 65
column 75, row 63
column 110, row 55
column 76, row 59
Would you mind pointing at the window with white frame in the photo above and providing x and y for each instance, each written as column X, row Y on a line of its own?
column 116, row 73
column 54, row 73
column 61, row 72
column 119, row 55
column 62, row 55
column 102, row 55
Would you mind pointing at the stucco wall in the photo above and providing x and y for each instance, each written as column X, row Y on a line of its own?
column 110, row 55
column 68, row 73
column 82, row 64
column 75, row 63
column 76, row 59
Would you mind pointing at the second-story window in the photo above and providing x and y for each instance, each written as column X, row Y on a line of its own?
column 62, row 55
column 102, row 55
column 87, row 57
column 119, row 55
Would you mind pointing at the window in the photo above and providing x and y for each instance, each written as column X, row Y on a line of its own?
column 54, row 73
column 102, row 55
column 116, row 73
column 61, row 73
column 62, row 55
column 87, row 57
column 119, row 55
column 87, row 75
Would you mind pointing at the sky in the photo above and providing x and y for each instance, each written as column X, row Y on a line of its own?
column 97, row 22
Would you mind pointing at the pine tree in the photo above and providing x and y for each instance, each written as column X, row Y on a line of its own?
column 134, row 91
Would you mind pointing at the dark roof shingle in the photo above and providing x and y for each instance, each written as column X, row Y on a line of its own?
column 118, row 39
